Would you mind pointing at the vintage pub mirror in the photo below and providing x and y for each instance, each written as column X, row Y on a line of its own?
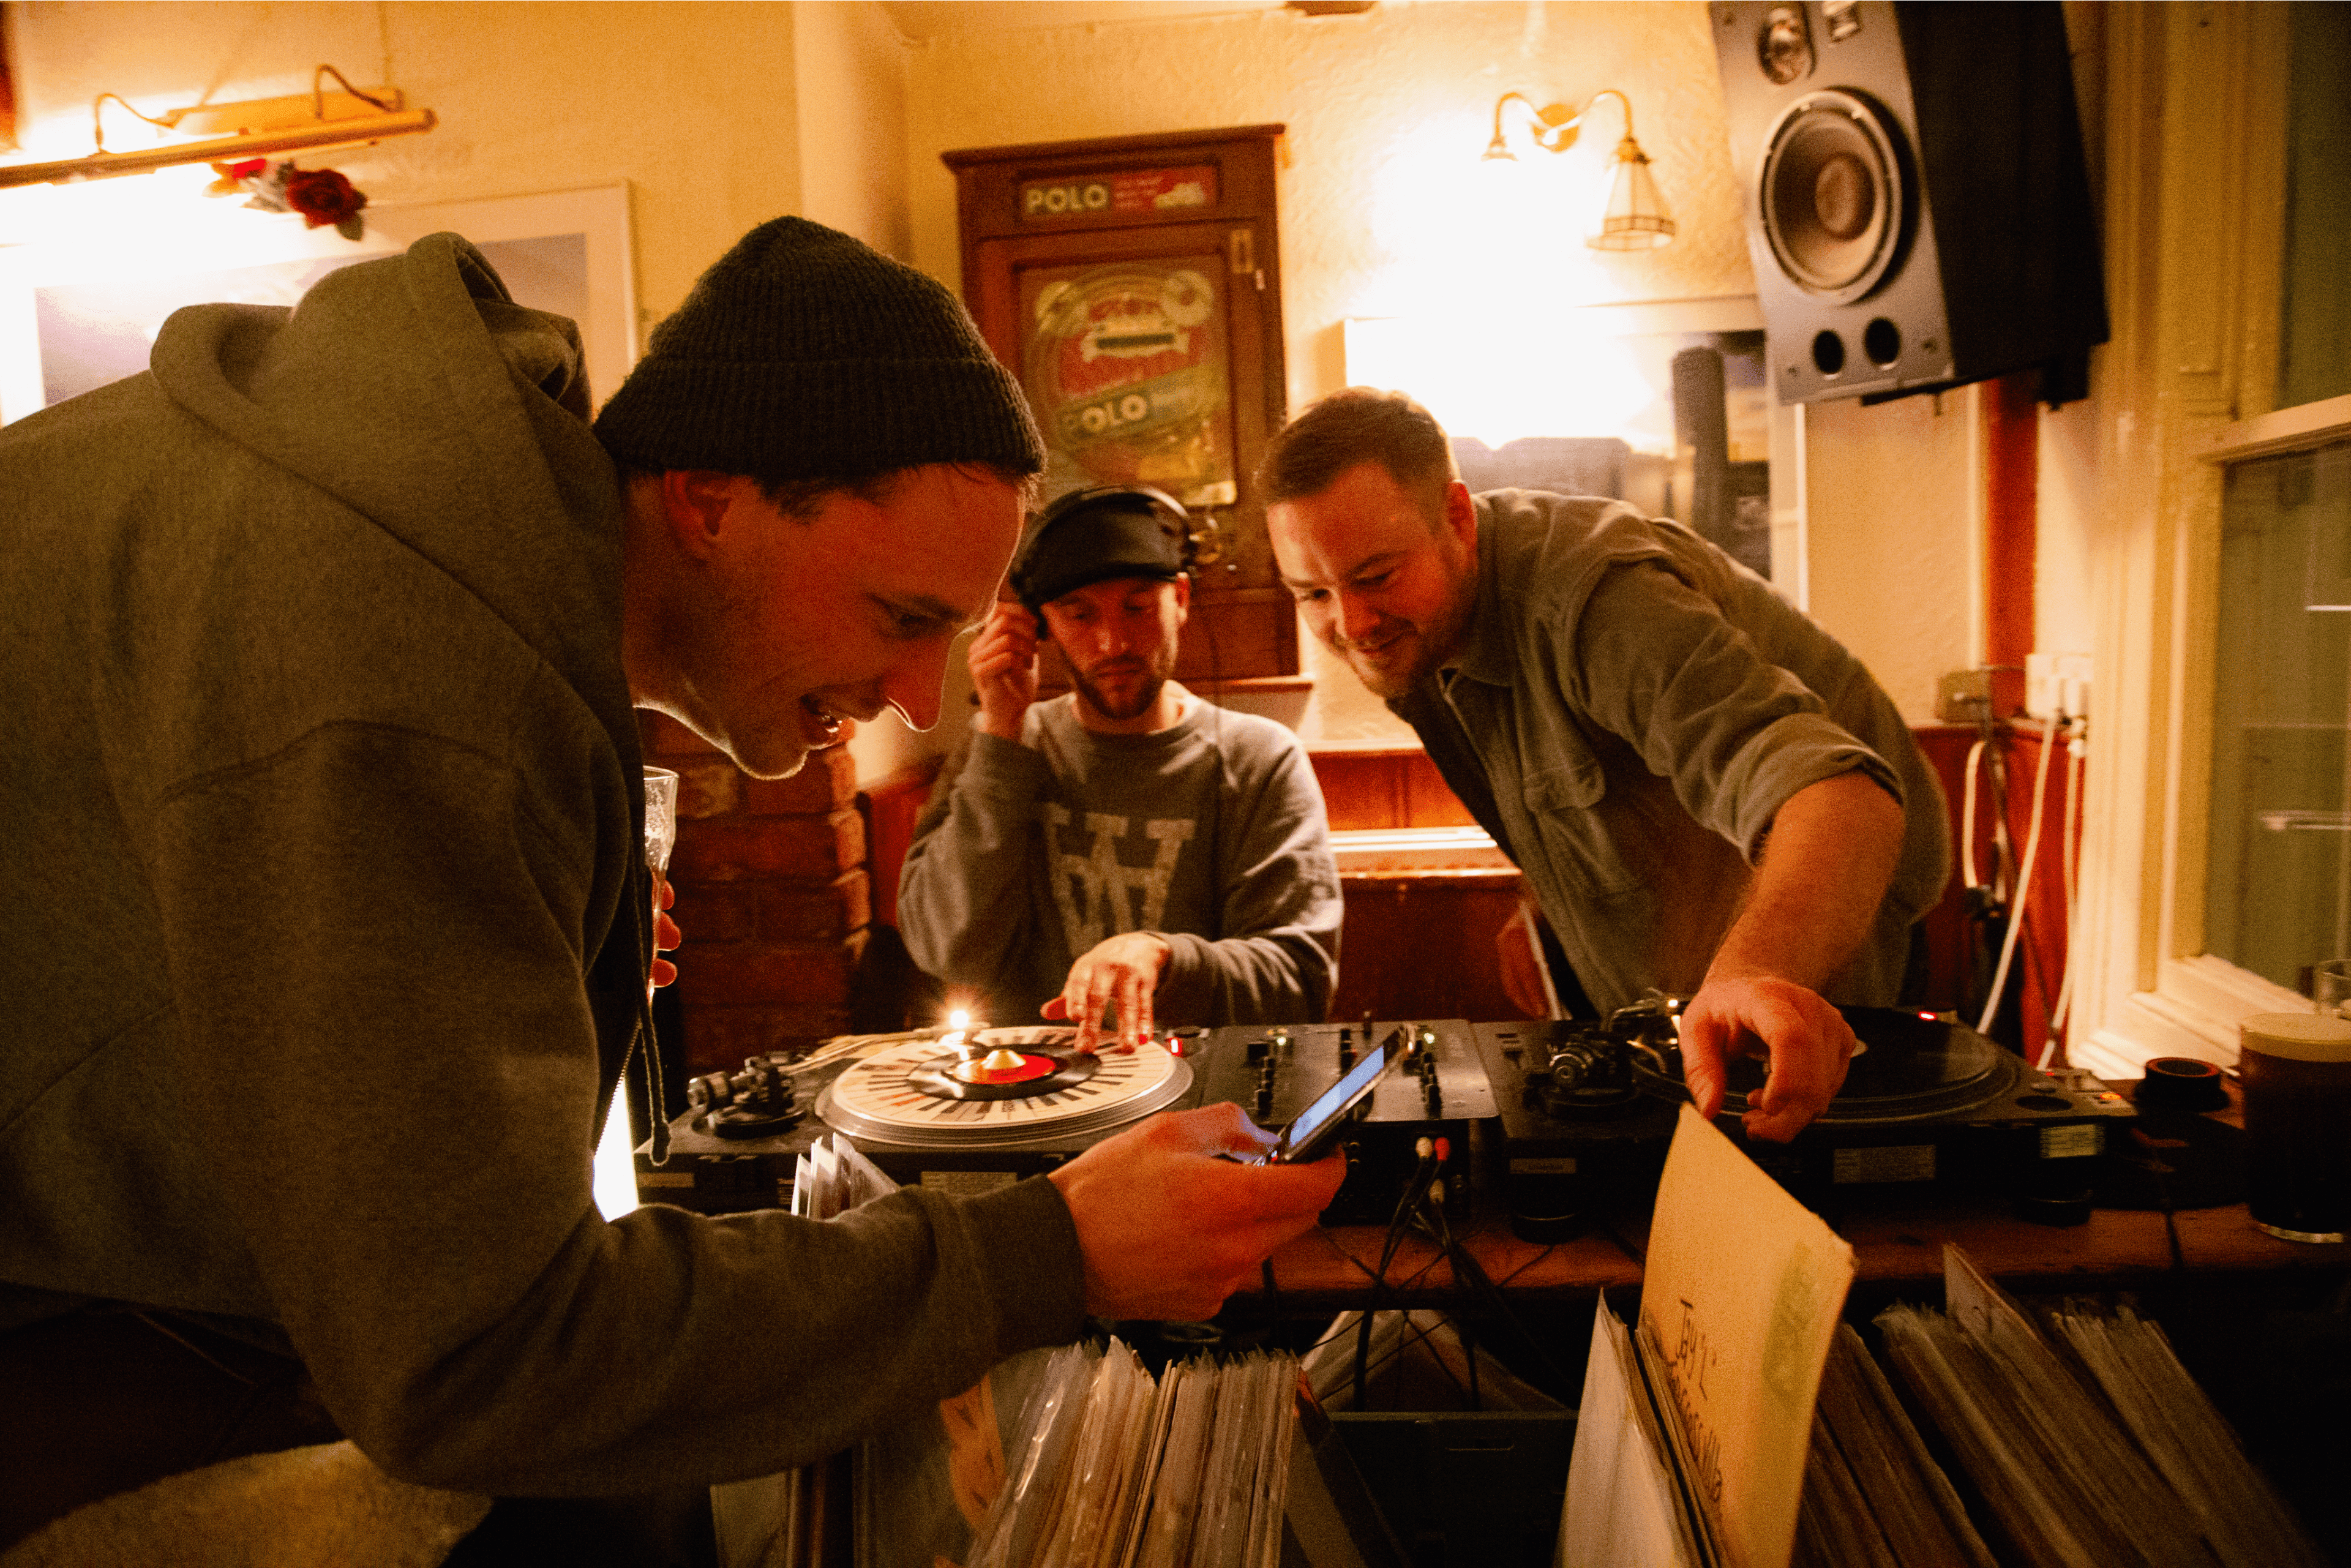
column 1134, row 286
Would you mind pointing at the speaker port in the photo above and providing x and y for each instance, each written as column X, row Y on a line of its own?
column 1882, row 341
column 1828, row 353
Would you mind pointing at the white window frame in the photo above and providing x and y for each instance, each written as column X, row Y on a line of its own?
column 2194, row 196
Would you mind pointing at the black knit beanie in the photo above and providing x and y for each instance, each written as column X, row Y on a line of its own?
column 805, row 354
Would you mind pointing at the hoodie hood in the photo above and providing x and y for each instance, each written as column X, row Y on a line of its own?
column 417, row 392
column 460, row 385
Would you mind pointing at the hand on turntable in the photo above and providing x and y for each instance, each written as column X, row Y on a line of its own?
column 1168, row 1229
column 1003, row 661
column 1809, row 1041
column 1122, row 970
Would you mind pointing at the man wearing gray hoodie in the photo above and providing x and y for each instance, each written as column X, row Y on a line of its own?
column 319, row 642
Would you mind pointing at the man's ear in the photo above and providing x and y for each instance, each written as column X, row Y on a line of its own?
column 697, row 505
column 1461, row 515
column 1181, row 583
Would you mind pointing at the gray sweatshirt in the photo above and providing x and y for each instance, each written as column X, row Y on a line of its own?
column 1210, row 833
column 319, row 777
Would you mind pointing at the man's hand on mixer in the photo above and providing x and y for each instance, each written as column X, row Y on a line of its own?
column 1168, row 1229
column 1809, row 1041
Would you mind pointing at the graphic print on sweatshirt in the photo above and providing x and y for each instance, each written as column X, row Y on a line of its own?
column 1098, row 893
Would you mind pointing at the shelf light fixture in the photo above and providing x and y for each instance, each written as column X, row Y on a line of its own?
column 314, row 121
column 1635, row 218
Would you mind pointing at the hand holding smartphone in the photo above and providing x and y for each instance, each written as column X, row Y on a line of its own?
column 1315, row 1129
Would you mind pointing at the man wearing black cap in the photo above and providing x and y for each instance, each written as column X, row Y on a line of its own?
column 321, row 640
column 1127, row 850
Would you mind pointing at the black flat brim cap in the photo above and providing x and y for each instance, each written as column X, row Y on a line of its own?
column 1096, row 544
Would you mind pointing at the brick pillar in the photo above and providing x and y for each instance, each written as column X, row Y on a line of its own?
column 772, row 896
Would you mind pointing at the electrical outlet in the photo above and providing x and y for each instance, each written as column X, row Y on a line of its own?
column 1962, row 697
column 2057, row 684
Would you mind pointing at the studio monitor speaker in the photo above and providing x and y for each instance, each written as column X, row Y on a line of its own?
column 1917, row 207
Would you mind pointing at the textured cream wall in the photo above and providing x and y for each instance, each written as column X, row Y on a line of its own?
column 692, row 104
column 1381, row 201
column 721, row 115
column 851, row 68
column 1891, row 496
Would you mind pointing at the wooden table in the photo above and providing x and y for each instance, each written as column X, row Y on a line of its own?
column 1898, row 1244
column 1893, row 1247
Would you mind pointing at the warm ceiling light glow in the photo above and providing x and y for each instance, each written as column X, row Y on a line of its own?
column 1546, row 376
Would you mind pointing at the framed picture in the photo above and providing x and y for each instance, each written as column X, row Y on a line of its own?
column 74, row 317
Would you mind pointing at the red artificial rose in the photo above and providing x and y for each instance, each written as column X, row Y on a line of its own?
column 322, row 196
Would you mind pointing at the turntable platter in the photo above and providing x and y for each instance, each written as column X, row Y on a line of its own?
column 1006, row 1086
column 1909, row 1067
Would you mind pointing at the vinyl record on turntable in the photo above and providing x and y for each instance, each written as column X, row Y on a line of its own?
column 999, row 1086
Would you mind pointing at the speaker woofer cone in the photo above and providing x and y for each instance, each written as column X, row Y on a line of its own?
column 1833, row 197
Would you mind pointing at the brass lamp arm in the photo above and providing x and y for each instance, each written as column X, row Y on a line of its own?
column 1556, row 124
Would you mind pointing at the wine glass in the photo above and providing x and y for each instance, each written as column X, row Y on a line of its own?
column 661, row 824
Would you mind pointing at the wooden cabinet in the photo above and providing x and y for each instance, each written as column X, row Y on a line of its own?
column 1134, row 286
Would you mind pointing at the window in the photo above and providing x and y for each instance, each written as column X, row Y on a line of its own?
column 2277, row 896
column 2218, row 859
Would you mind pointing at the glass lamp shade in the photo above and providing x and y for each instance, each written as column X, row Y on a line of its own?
column 1637, row 217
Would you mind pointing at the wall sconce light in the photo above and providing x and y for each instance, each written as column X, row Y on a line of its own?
column 314, row 121
column 1637, row 217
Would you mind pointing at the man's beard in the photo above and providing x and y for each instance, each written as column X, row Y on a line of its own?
column 1147, row 692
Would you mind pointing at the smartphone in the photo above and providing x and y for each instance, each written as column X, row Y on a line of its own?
column 1310, row 1136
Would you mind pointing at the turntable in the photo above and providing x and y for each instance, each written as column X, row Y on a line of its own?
column 963, row 1109
column 1588, row 1110
column 968, row 1110
column 998, row 1087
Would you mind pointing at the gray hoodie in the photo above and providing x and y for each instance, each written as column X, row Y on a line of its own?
column 321, row 839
